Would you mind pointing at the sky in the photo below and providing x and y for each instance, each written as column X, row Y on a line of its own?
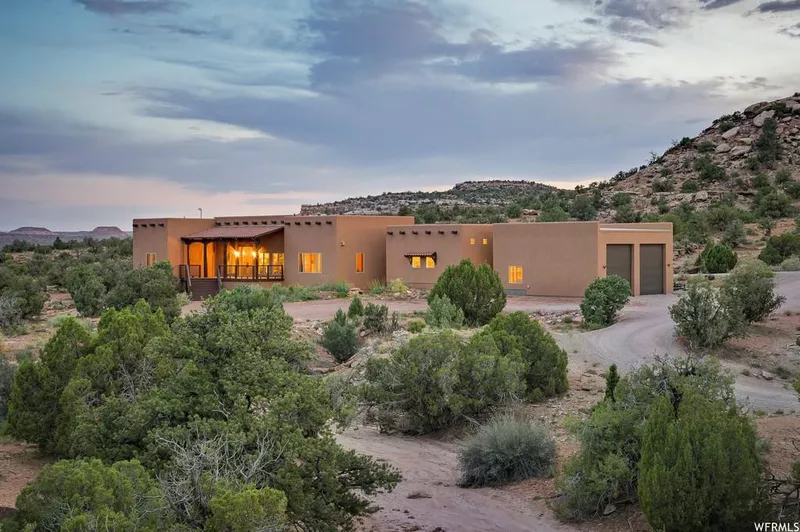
column 115, row 109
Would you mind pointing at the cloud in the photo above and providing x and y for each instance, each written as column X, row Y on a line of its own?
column 717, row 4
column 635, row 16
column 131, row 7
column 779, row 6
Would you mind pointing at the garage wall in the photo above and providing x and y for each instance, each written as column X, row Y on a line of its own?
column 558, row 259
column 636, row 235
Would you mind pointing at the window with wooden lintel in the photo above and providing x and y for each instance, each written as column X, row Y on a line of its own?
column 514, row 274
column 417, row 259
column 416, row 262
column 150, row 259
column 359, row 263
column 310, row 262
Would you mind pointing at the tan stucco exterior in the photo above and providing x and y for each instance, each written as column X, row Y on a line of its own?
column 162, row 236
column 561, row 259
column 450, row 242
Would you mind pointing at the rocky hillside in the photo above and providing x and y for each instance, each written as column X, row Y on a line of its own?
column 41, row 235
column 738, row 154
column 467, row 194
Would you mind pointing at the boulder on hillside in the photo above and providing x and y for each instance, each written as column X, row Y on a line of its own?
column 731, row 133
column 760, row 119
column 755, row 108
column 723, row 148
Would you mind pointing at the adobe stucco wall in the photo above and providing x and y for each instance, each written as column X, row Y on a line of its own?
column 450, row 249
column 558, row 259
column 162, row 236
column 637, row 235
column 310, row 234
column 367, row 235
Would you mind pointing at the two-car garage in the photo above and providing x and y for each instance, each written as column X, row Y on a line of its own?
column 641, row 259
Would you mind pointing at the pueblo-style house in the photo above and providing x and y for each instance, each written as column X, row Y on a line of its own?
column 541, row 259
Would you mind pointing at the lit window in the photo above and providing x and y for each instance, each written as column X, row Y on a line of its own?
column 472, row 241
column 151, row 259
column 485, row 241
column 514, row 274
column 310, row 262
column 359, row 263
column 430, row 262
column 416, row 262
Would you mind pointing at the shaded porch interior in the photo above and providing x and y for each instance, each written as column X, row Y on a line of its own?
column 235, row 254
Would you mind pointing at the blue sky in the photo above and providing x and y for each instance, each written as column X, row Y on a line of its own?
column 112, row 109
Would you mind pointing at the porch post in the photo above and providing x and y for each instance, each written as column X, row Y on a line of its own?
column 205, row 258
column 225, row 259
column 255, row 260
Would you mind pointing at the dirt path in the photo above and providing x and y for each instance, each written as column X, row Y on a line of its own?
column 19, row 465
column 428, row 498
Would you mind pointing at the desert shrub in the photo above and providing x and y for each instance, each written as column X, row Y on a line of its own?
column 689, row 186
column 707, row 170
column 700, row 467
column 792, row 264
column 750, row 287
column 444, row 314
column 761, row 180
column 606, row 469
column 478, row 292
column 583, row 208
column 294, row 293
column 24, row 295
column 783, row 177
column 397, row 286
column 734, row 234
column 514, row 210
column 554, row 214
column 545, row 362
column 625, row 214
column 435, row 379
column 87, row 290
column 156, row 285
column 604, row 299
column 663, row 185
column 716, row 258
column 7, row 370
column 343, row 397
column 704, row 318
column 780, row 248
column 11, row 313
column 773, row 204
column 89, row 495
column 415, row 327
column 246, row 509
column 792, row 189
column 338, row 287
column 685, row 142
column 705, row 146
column 339, row 338
column 356, row 308
column 612, row 379
column 376, row 318
column 768, row 144
column 506, row 449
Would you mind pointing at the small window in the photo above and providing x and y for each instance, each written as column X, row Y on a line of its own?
column 514, row 274
column 151, row 259
column 416, row 262
column 485, row 241
column 430, row 262
column 359, row 263
column 309, row 262
column 472, row 241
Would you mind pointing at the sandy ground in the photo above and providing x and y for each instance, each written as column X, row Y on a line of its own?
column 19, row 465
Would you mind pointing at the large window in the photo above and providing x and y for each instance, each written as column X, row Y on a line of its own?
column 151, row 259
column 359, row 263
column 310, row 262
column 514, row 274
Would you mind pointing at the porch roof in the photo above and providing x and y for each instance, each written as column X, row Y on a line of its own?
column 233, row 233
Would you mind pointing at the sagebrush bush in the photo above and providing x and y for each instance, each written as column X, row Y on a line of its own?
column 339, row 337
column 780, row 248
column 750, row 287
column 397, row 286
column 7, row 371
column 478, row 292
column 604, row 299
column 356, row 308
column 376, row 318
column 10, row 311
column 690, row 186
column 506, row 449
column 792, row 264
column 416, row 326
column 444, row 314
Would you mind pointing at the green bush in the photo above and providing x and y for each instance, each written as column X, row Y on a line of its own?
column 689, row 186
column 734, row 234
column 750, row 287
column 376, row 318
column 514, row 211
column 761, row 180
column 619, row 199
column 663, row 185
column 700, row 467
column 705, row 146
column 356, row 308
column 792, row 264
column 156, row 285
column 604, row 299
column 339, row 338
column 415, row 327
column 626, row 215
column 443, row 314
column 780, row 248
column 11, row 314
column 704, row 318
column 770, row 203
column 612, row 379
column 7, row 371
column 23, row 296
column 783, row 177
column 707, row 170
column 505, row 450
column 583, row 209
column 436, row 378
column 88, row 495
column 545, row 363
column 338, row 287
column 246, row 509
column 768, row 144
column 478, row 292
column 87, row 290
column 717, row 258
column 606, row 469
column 556, row 214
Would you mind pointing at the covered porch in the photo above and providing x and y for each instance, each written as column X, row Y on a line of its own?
column 248, row 253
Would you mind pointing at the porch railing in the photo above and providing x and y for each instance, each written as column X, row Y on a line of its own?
column 251, row 273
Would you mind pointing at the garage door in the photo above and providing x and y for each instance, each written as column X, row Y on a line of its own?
column 651, row 261
column 619, row 261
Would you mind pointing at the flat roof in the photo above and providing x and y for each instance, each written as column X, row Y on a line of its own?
column 234, row 232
